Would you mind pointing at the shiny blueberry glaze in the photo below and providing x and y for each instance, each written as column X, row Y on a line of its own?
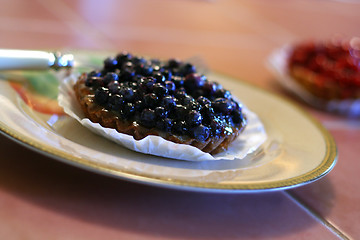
column 169, row 96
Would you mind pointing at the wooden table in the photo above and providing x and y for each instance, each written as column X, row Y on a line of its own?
column 41, row 198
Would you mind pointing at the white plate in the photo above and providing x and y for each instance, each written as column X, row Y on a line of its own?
column 298, row 149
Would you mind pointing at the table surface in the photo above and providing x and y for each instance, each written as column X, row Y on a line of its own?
column 41, row 198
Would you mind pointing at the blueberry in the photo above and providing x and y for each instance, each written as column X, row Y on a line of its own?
column 237, row 117
column 180, row 112
column 159, row 77
column 187, row 69
column 156, row 63
column 88, row 82
column 143, row 69
column 138, row 94
column 193, row 105
column 126, row 75
column 110, row 64
column 150, row 86
column 123, row 57
column 160, row 90
column 200, row 133
column 161, row 112
column 164, row 124
column 102, row 95
column 186, row 100
column 198, row 93
column 91, row 76
column 146, row 84
column 114, row 87
column 208, row 113
column 193, row 81
column 222, row 93
column 157, row 69
column 136, row 78
column 170, row 86
column 142, row 83
column 176, row 73
column 178, row 81
column 116, row 102
column 147, row 118
column 133, row 85
column 174, row 63
column 94, row 82
column 128, row 110
column 218, row 86
column 168, row 102
column 124, row 84
column 209, row 88
column 94, row 74
column 193, row 118
column 217, row 127
column 237, row 106
column 151, row 100
column 180, row 94
column 138, row 60
column 179, row 127
column 103, row 72
column 110, row 77
column 148, row 70
column 127, row 65
column 203, row 101
column 167, row 74
column 128, row 93
column 139, row 105
column 223, row 105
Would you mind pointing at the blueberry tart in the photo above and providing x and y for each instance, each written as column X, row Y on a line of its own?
column 170, row 99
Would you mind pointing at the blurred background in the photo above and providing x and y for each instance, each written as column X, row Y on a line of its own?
column 233, row 37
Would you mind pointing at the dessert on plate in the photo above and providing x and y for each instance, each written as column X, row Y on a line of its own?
column 170, row 99
column 329, row 70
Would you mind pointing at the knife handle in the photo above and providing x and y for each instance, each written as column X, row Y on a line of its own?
column 34, row 60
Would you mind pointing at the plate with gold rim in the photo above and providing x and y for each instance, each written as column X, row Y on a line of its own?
column 298, row 149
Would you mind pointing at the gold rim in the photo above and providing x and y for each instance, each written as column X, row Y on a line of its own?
column 321, row 170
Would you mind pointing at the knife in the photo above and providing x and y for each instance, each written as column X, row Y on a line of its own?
column 12, row 59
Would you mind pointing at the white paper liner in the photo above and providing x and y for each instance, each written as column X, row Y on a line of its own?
column 278, row 64
column 249, row 140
